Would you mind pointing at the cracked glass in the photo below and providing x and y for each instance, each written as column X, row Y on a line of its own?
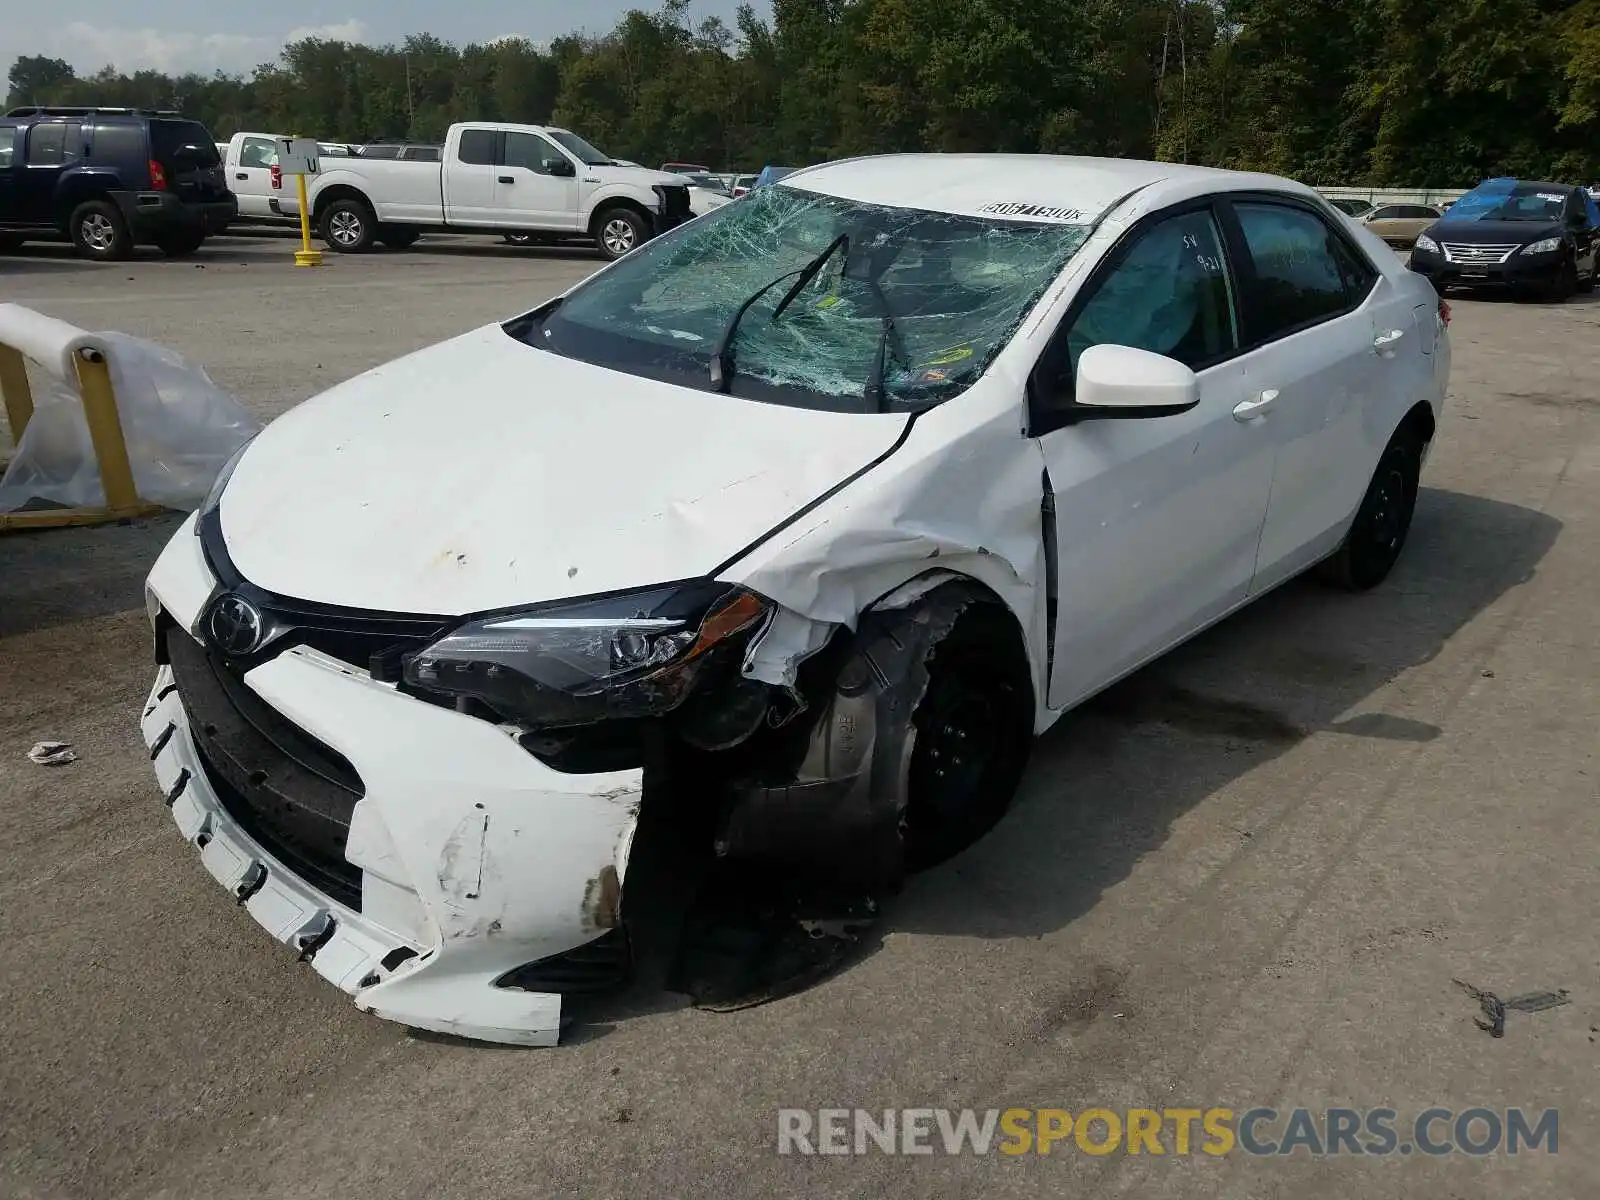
column 953, row 288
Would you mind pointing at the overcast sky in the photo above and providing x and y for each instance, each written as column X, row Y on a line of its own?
column 185, row 35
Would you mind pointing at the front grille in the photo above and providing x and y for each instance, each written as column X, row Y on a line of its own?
column 289, row 792
column 1466, row 255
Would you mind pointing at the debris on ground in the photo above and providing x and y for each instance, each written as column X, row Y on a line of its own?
column 1495, row 1009
column 52, row 754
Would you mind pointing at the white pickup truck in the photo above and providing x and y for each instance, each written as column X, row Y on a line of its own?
column 548, row 184
column 248, row 159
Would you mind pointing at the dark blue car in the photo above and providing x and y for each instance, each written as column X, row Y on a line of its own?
column 108, row 179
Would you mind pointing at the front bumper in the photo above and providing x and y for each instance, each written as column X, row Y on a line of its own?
column 475, row 859
column 1520, row 270
column 154, row 215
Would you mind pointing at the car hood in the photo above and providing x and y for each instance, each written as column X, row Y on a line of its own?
column 1470, row 232
column 483, row 473
column 640, row 176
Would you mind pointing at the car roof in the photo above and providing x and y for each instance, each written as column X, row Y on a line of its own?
column 1045, row 187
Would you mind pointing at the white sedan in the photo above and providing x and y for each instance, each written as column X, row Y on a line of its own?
column 794, row 525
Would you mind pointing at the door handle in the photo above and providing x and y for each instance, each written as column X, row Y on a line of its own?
column 508, row 179
column 1249, row 410
column 242, row 175
column 1385, row 340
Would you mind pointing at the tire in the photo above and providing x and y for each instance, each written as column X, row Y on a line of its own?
column 1378, row 534
column 973, row 731
column 98, row 232
column 619, row 231
column 398, row 237
column 178, row 245
column 1564, row 284
column 1586, row 286
column 348, row 226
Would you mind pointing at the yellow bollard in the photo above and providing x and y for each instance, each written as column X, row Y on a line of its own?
column 14, row 387
column 305, row 256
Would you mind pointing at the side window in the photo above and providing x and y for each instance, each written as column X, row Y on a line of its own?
column 1298, row 277
column 118, row 143
column 477, row 147
column 1358, row 274
column 1387, row 213
column 258, row 152
column 54, row 142
column 530, row 151
column 1171, row 294
column 8, row 145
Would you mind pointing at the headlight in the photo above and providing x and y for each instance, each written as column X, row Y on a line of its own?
column 634, row 655
column 1544, row 246
column 214, row 496
column 1424, row 242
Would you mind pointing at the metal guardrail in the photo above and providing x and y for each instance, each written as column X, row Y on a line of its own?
column 1381, row 195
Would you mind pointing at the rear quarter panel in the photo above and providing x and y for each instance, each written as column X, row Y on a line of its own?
column 397, row 190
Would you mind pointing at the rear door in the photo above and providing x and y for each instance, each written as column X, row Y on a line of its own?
column 529, row 194
column 468, row 179
column 251, row 177
column 48, row 149
column 188, row 156
column 1322, row 322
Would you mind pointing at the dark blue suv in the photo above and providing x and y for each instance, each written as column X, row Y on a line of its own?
column 109, row 179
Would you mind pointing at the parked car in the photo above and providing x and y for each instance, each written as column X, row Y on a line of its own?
column 1399, row 224
column 1353, row 208
column 496, row 178
column 902, row 459
column 742, row 184
column 248, row 161
column 1532, row 237
column 110, row 179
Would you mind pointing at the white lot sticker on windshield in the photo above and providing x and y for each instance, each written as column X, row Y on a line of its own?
column 1043, row 212
column 1552, row 196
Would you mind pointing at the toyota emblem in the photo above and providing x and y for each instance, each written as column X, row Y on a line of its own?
column 236, row 625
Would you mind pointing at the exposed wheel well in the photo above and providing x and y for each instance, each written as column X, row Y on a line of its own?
column 339, row 191
column 1420, row 421
column 606, row 206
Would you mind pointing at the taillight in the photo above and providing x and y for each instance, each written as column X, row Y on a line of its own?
column 158, row 176
column 277, row 177
column 1444, row 312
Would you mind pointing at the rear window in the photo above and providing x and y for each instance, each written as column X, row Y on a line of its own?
column 118, row 143
column 167, row 138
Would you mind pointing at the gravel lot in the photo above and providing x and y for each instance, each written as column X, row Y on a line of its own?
column 1245, row 877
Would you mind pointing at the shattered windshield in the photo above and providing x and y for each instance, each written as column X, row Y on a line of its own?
column 953, row 290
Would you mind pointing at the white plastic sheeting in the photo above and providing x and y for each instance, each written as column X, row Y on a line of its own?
column 179, row 427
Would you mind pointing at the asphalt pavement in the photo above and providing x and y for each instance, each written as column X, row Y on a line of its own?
column 1247, row 877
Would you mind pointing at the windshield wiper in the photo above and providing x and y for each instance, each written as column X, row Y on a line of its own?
column 721, row 359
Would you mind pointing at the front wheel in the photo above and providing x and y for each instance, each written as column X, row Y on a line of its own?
column 1564, row 284
column 973, row 730
column 98, row 231
column 1378, row 533
column 348, row 226
column 620, row 231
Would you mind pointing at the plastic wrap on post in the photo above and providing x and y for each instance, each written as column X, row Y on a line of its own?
column 179, row 428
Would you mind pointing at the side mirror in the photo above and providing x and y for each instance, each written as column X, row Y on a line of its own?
column 559, row 167
column 1122, row 382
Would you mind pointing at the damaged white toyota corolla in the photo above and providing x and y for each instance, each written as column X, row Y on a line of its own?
column 790, row 528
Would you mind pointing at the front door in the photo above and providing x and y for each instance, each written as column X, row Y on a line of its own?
column 528, row 193
column 1156, row 520
column 250, row 179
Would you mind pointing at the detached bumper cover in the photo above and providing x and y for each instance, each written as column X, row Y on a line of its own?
column 475, row 859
